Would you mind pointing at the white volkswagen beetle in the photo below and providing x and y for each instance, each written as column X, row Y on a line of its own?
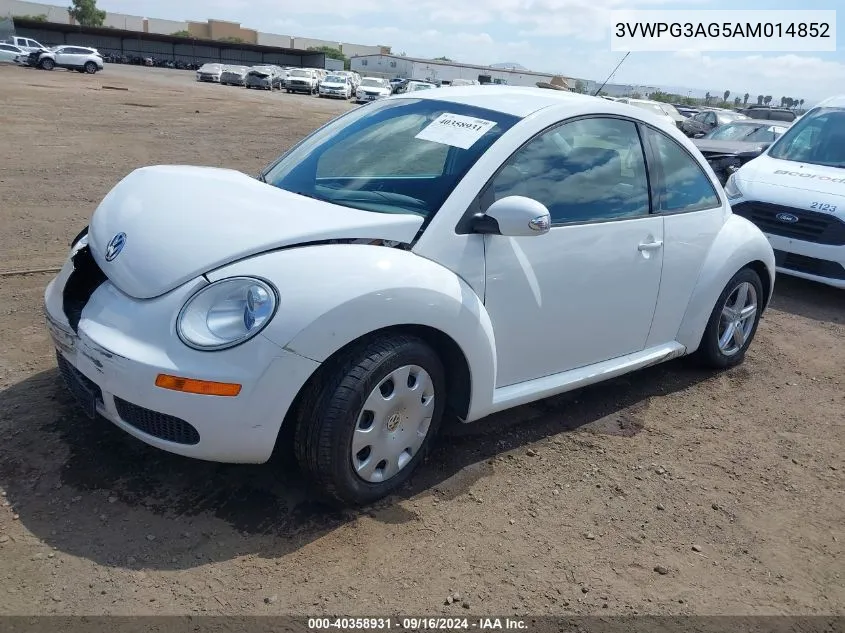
column 455, row 252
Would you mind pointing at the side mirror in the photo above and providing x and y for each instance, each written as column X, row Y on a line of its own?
column 699, row 135
column 514, row 216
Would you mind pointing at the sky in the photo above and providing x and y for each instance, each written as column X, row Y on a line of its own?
column 569, row 37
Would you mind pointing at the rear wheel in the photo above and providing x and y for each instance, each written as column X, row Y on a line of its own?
column 90, row 68
column 367, row 421
column 733, row 322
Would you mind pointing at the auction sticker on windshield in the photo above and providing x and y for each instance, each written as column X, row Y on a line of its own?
column 455, row 130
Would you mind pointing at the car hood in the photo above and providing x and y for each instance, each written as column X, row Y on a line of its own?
column 716, row 146
column 332, row 84
column 374, row 88
column 765, row 173
column 179, row 222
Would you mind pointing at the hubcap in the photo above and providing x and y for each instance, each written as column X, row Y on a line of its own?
column 393, row 424
column 737, row 320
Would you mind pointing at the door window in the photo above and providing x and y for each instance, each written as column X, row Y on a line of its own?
column 682, row 185
column 587, row 170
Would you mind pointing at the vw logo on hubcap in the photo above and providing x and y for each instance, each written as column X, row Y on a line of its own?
column 116, row 245
column 393, row 421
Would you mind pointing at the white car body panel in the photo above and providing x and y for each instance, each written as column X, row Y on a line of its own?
column 11, row 52
column 525, row 329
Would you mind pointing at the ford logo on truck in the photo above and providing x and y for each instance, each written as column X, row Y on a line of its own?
column 787, row 217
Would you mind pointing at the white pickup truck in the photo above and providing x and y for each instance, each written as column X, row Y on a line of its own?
column 26, row 43
column 303, row 80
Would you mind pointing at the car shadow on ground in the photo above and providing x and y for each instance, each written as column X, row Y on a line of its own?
column 90, row 490
column 809, row 299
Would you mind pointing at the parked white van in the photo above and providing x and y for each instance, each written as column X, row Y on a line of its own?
column 795, row 193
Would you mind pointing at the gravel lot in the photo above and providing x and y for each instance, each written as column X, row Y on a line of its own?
column 670, row 491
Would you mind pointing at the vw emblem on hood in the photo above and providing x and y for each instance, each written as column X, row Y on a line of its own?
column 787, row 217
column 116, row 245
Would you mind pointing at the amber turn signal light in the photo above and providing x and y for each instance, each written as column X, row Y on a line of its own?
column 202, row 387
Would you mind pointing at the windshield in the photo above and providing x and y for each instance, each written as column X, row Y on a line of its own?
column 817, row 138
column 751, row 132
column 334, row 79
column 373, row 83
column 300, row 73
column 393, row 156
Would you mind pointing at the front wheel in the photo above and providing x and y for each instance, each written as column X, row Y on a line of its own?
column 47, row 64
column 733, row 322
column 367, row 421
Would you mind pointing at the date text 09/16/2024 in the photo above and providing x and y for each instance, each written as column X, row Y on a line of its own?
column 416, row 624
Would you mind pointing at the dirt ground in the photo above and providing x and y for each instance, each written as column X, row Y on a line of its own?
column 731, row 484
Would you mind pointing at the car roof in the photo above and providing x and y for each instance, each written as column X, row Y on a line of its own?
column 520, row 101
column 837, row 101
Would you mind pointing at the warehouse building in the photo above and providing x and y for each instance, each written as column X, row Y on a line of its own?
column 207, row 31
column 387, row 65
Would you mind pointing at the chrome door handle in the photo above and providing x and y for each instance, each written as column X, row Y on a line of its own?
column 650, row 246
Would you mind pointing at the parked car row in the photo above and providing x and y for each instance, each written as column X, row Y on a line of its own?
column 341, row 83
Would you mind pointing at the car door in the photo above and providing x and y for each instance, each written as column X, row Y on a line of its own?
column 693, row 124
column 8, row 52
column 65, row 56
column 585, row 291
column 693, row 214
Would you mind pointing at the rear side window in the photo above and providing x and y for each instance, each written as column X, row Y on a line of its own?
column 682, row 185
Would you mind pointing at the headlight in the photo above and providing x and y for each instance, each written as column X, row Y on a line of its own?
column 732, row 189
column 226, row 313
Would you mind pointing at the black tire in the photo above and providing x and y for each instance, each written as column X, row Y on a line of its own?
column 47, row 64
column 90, row 68
column 332, row 404
column 709, row 353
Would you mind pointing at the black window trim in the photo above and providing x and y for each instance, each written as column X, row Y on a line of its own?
column 464, row 225
column 659, row 176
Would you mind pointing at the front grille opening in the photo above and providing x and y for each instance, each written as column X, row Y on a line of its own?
column 160, row 425
column 77, row 382
column 81, row 284
column 810, row 226
column 809, row 265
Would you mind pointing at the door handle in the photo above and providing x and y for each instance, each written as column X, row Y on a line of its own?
column 650, row 246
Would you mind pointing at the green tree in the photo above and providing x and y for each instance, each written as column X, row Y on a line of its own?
column 768, row 99
column 442, row 59
column 182, row 33
column 86, row 13
column 332, row 53
column 580, row 87
column 41, row 17
column 760, row 99
column 232, row 39
column 745, row 99
column 636, row 95
column 737, row 101
column 800, row 103
column 726, row 95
